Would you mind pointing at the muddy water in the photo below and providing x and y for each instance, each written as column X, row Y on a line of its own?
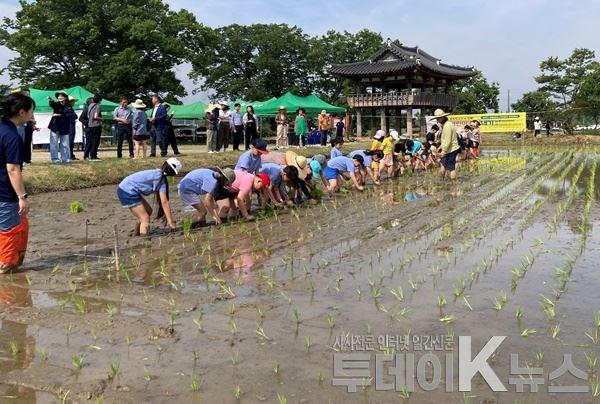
column 192, row 318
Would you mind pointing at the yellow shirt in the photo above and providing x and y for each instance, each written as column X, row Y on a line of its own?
column 376, row 145
column 388, row 145
column 449, row 139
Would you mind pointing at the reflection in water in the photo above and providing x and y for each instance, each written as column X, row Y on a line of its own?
column 242, row 261
column 16, row 348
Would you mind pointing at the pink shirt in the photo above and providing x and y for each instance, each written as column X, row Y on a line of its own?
column 243, row 182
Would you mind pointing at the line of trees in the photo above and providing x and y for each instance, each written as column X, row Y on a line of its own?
column 569, row 90
column 132, row 47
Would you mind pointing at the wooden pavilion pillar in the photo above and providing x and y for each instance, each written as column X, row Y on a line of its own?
column 409, row 111
column 383, row 119
column 358, row 122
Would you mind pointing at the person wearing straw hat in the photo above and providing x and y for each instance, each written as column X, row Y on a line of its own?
column 475, row 137
column 140, row 133
column 449, row 148
column 323, row 123
column 537, row 126
column 281, row 119
column 59, row 126
column 224, row 131
column 123, row 117
column 199, row 188
column 212, row 126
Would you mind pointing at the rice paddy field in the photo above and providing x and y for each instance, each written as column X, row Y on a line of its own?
column 256, row 312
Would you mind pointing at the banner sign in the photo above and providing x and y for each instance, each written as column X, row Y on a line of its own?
column 490, row 123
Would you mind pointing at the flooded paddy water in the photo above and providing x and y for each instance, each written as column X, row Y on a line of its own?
column 256, row 312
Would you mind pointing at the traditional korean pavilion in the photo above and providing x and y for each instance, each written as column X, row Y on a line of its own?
column 398, row 78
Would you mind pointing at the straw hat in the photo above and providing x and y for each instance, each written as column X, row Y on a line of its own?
column 297, row 161
column 138, row 104
column 439, row 113
column 323, row 112
column 227, row 173
column 210, row 107
column 71, row 98
column 281, row 107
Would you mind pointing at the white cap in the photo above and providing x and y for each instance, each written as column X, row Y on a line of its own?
column 175, row 164
column 394, row 134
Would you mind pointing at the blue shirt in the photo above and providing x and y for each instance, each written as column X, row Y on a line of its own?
column 315, row 167
column 199, row 182
column 144, row 182
column 335, row 152
column 273, row 171
column 367, row 159
column 416, row 147
column 342, row 164
column 248, row 162
column 236, row 118
column 11, row 152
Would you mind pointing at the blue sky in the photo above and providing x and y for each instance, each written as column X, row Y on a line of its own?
column 505, row 39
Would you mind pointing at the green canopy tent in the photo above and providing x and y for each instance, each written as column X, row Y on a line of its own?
column 79, row 93
column 312, row 104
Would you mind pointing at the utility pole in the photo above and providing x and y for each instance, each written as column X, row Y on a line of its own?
column 508, row 102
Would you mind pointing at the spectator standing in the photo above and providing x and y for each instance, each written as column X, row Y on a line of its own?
column 157, row 132
column 212, row 126
column 17, row 110
column 281, row 119
column 537, row 126
column 140, row 133
column 323, row 126
column 171, row 140
column 123, row 116
column 340, row 126
column 224, row 131
column 94, row 129
column 300, row 127
column 237, row 123
column 72, row 126
column 250, row 126
column 59, row 128
column 83, row 118
column 548, row 128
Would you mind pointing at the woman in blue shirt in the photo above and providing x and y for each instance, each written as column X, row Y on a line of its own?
column 132, row 189
column 340, row 165
column 206, row 183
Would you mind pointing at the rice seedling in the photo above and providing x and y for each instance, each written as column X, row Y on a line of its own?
column 466, row 302
column 592, row 361
column 548, row 307
column 237, row 393
column 77, row 360
column 442, row 302
column 297, row 315
column 595, row 386
column 594, row 335
column 232, row 327
column 539, row 355
column 449, row 319
column 261, row 333
column 554, row 330
column 519, row 313
column 404, row 393
column 147, row 376
column 330, row 320
column 43, row 354
column 63, row 395
column 14, row 348
column 76, row 207
column 114, row 370
column 281, row 399
column 195, row 384
column 321, row 377
column 234, row 357
column 308, row 342
column 527, row 332
column 398, row 293
column 277, row 368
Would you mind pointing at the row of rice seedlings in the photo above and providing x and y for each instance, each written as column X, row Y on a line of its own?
column 573, row 191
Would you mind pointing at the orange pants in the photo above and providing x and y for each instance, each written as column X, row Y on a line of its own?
column 13, row 244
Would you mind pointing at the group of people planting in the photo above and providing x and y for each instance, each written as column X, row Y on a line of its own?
column 282, row 179
column 278, row 178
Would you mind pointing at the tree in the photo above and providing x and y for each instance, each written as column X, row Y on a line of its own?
column 256, row 62
column 536, row 102
column 587, row 99
column 475, row 95
column 119, row 47
column 562, row 78
column 337, row 48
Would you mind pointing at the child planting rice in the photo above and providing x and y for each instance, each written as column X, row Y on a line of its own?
column 387, row 163
column 244, row 184
column 132, row 189
column 369, row 157
column 337, row 167
column 280, row 177
column 336, row 150
column 206, row 183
